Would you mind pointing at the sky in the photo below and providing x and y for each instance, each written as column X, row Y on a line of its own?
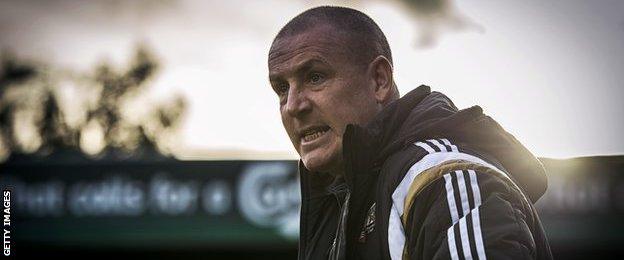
column 550, row 72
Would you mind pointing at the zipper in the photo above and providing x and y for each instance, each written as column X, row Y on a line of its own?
column 338, row 244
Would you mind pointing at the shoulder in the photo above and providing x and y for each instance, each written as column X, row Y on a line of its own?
column 408, row 172
column 445, row 189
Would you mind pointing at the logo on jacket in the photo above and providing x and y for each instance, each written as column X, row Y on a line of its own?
column 369, row 224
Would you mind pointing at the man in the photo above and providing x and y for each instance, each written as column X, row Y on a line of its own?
column 390, row 178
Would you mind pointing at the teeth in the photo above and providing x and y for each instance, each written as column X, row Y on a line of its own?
column 314, row 135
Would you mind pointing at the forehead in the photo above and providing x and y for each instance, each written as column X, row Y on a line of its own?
column 322, row 44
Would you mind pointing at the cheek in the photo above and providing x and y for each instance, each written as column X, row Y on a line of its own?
column 288, row 125
column 361, row 106
column 352, row 108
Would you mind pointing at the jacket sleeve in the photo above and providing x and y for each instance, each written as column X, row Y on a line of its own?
column 467, row 214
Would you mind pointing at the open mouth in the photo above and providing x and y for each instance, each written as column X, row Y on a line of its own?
column 314, row 133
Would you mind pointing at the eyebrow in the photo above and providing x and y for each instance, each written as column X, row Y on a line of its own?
column 304, row 66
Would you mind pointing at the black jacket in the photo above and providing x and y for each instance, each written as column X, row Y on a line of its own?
column 426, row 181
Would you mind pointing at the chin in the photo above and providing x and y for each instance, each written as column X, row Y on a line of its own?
column 314, row 165
column 319, row 163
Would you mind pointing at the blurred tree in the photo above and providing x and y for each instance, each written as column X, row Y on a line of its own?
column 33, row 120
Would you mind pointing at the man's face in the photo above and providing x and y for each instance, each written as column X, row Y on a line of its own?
column 321, row 89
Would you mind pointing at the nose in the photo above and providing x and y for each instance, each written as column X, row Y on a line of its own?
column 297, row 103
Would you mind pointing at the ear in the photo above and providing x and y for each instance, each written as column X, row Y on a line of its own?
column 380, row 71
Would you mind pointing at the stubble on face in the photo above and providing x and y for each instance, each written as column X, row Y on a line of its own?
column 315, row 115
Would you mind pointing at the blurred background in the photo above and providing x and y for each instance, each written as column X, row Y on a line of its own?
column 149, row 127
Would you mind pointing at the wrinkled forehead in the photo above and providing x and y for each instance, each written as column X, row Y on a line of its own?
column 316, row 43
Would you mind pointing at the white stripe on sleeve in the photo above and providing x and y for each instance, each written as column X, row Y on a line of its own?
column 450, row 198
column 450, row 235
column 439, row 145
column 453, row 147
column 463, row 231
column 461, row 184
column 465, row 240
column 426, row 147
column 476, row 221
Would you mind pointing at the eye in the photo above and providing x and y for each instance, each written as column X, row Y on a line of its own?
column 281, row 88
column 316, row 78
